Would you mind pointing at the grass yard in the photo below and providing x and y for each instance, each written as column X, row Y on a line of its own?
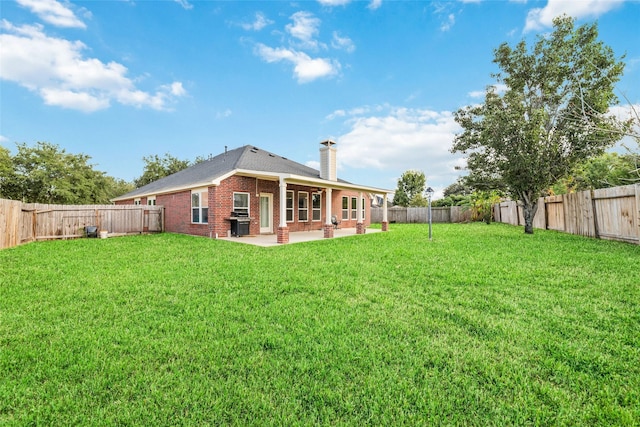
column 481, row 326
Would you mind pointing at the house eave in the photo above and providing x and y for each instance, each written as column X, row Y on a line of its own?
column 305, row 180
column 164, row 191
column 268, row 176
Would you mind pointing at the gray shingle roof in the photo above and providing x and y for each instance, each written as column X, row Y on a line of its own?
column 248, row 157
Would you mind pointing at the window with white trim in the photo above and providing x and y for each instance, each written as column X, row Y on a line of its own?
column 151, row 200
column 136, row 201
column 200, row 206
column 345, row 208
column 289, row 206
column 316, row 206
column 241, row 203
column 303, row 206
column 363, row 208
column 354, row 208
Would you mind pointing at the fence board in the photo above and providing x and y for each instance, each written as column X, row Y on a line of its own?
column 10, row 212
column 509, row 212
column 554, row 207
column 39, row 221
column 578, row 214
column 616, row 209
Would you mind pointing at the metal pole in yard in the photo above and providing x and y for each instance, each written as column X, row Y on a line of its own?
column 429, row 192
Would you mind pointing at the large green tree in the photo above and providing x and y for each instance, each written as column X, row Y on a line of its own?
column 551, row 115
column 411, row 186
column 156, row 167
column 45, row 173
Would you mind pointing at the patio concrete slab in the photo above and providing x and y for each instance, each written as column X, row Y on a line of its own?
column 295, row 237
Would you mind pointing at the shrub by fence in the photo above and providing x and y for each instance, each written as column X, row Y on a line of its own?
column 26, row 222
column 398, row 214
column 607, row 213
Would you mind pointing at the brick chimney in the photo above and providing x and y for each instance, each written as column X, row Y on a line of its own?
column 328, row 168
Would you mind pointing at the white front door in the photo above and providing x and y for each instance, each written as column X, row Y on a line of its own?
column 266, row 213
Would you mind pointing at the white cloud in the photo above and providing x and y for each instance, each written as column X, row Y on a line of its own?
column 343, row 43
column 499, row 88
column 303, row 31
column 3, row 139
column 398, row 139
column 332, row 3
column 313, row 164
column 258, row 23
column 176, row 89
column 446, row 25
column 223, row 114
column 54, row 13
column 306, row 69
column 57, row 71
column 185, row 4
column 540, row 18
column 375, row 4
column 304, row 28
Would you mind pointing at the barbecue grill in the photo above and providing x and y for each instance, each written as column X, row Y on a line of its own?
column 239, row 223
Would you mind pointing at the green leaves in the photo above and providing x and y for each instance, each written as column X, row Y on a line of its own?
column 45, row 173
column 411, row 185
column 156, row 167
column 551, row 116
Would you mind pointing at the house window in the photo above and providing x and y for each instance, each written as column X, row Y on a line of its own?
column 200, row 206
column 151, row 200
column 241, row 203
column 136, row 201
column 345, row 208
column 303, row 206
column 363, row 208
column 354, row 208
column 289, row 206
column 316, row 206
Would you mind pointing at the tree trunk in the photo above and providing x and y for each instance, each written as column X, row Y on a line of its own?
column 529, row 211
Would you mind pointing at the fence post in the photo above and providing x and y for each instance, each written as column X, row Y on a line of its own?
column 596, row 231
column 638, row 211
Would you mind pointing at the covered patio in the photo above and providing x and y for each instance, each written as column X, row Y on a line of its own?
column 266, row 240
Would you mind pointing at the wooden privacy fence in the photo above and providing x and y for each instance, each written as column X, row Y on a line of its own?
column 26, row 222
column 607, row 213
column 398, row 214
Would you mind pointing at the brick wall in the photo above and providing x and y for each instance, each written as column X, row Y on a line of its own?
column 178, row 207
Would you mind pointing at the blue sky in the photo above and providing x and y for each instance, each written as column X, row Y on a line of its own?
column 119, row 80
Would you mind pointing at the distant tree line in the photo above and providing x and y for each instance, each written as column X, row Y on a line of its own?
column 46, row 173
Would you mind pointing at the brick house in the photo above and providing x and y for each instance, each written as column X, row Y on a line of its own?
column 273, row 194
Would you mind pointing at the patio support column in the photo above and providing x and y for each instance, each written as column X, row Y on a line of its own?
column 283, row 230
column 328, row 226
column 385, row 220
column 360, row 229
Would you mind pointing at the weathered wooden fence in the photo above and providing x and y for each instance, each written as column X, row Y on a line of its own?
column 398, row 214
column 26, row 222
column 608, row 213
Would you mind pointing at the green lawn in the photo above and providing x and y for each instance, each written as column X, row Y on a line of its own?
column 481, row 326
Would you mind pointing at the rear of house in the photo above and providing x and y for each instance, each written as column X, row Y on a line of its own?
column 251, row 191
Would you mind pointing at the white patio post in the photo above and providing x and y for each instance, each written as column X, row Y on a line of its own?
column 283, row 230
column 328, row 226
column 360, row 229
column 385, row 220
